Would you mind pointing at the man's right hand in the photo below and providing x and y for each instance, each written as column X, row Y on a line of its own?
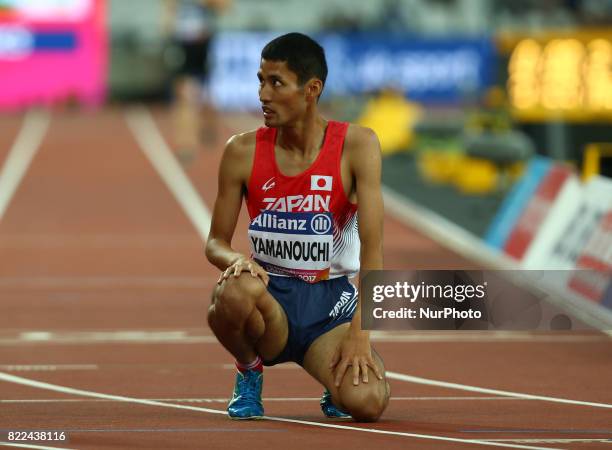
column 244, row 265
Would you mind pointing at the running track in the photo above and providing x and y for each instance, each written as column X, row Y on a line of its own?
column 103, row 293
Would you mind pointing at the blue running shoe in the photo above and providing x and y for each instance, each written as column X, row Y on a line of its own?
column 246, row 400
column 330, row 410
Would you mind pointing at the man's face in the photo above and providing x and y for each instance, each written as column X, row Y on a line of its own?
column 282, row 98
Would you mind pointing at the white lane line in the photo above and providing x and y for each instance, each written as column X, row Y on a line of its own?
column 20, row 156
column 80, row 392
column 106, row 337
column 550, row 441
column 264, row 399
column 59, row 337
column 107, row 282
column 47, row 367
column 487, row 336
column 41, row 447
column 95, row 240
column 465, row 387
column 165, row 163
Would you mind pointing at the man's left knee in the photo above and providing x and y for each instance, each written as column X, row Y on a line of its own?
column 365, row 402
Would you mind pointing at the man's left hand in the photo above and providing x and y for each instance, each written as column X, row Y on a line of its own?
column 354, row 350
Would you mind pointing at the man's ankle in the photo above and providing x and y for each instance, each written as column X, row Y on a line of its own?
column 256, row 364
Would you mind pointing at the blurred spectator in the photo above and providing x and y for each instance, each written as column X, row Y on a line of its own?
column 191, row 25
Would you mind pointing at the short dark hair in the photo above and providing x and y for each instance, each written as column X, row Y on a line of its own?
column 303, row 55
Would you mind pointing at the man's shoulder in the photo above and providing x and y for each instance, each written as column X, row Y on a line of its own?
column 241, row 143
column 360, row 139
column 238, row 155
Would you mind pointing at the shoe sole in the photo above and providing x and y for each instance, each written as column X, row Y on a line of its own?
column 246, row 418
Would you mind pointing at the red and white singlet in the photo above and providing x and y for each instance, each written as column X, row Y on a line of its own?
column 302, row 226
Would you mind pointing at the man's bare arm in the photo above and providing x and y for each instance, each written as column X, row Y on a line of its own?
column 365, row 160
column 227, row 208
column 368, row 169
column 233, row 175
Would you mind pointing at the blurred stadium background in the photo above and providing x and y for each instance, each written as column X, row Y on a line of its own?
column 494, row 116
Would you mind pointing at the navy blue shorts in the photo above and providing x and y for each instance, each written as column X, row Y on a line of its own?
column 312, row 310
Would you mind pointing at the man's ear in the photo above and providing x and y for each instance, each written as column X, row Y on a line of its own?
column 314, row 87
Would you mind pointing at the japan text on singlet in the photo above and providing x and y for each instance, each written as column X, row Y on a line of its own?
column 302, row 226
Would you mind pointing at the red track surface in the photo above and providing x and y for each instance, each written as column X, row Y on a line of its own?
column 93, row 241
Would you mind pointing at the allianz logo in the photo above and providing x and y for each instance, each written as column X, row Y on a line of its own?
column 319, row 223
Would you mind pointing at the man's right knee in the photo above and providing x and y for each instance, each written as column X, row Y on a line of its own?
column 235, row 299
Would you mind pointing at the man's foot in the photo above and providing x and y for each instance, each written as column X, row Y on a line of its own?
column 246, row 400
column 330, row 410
